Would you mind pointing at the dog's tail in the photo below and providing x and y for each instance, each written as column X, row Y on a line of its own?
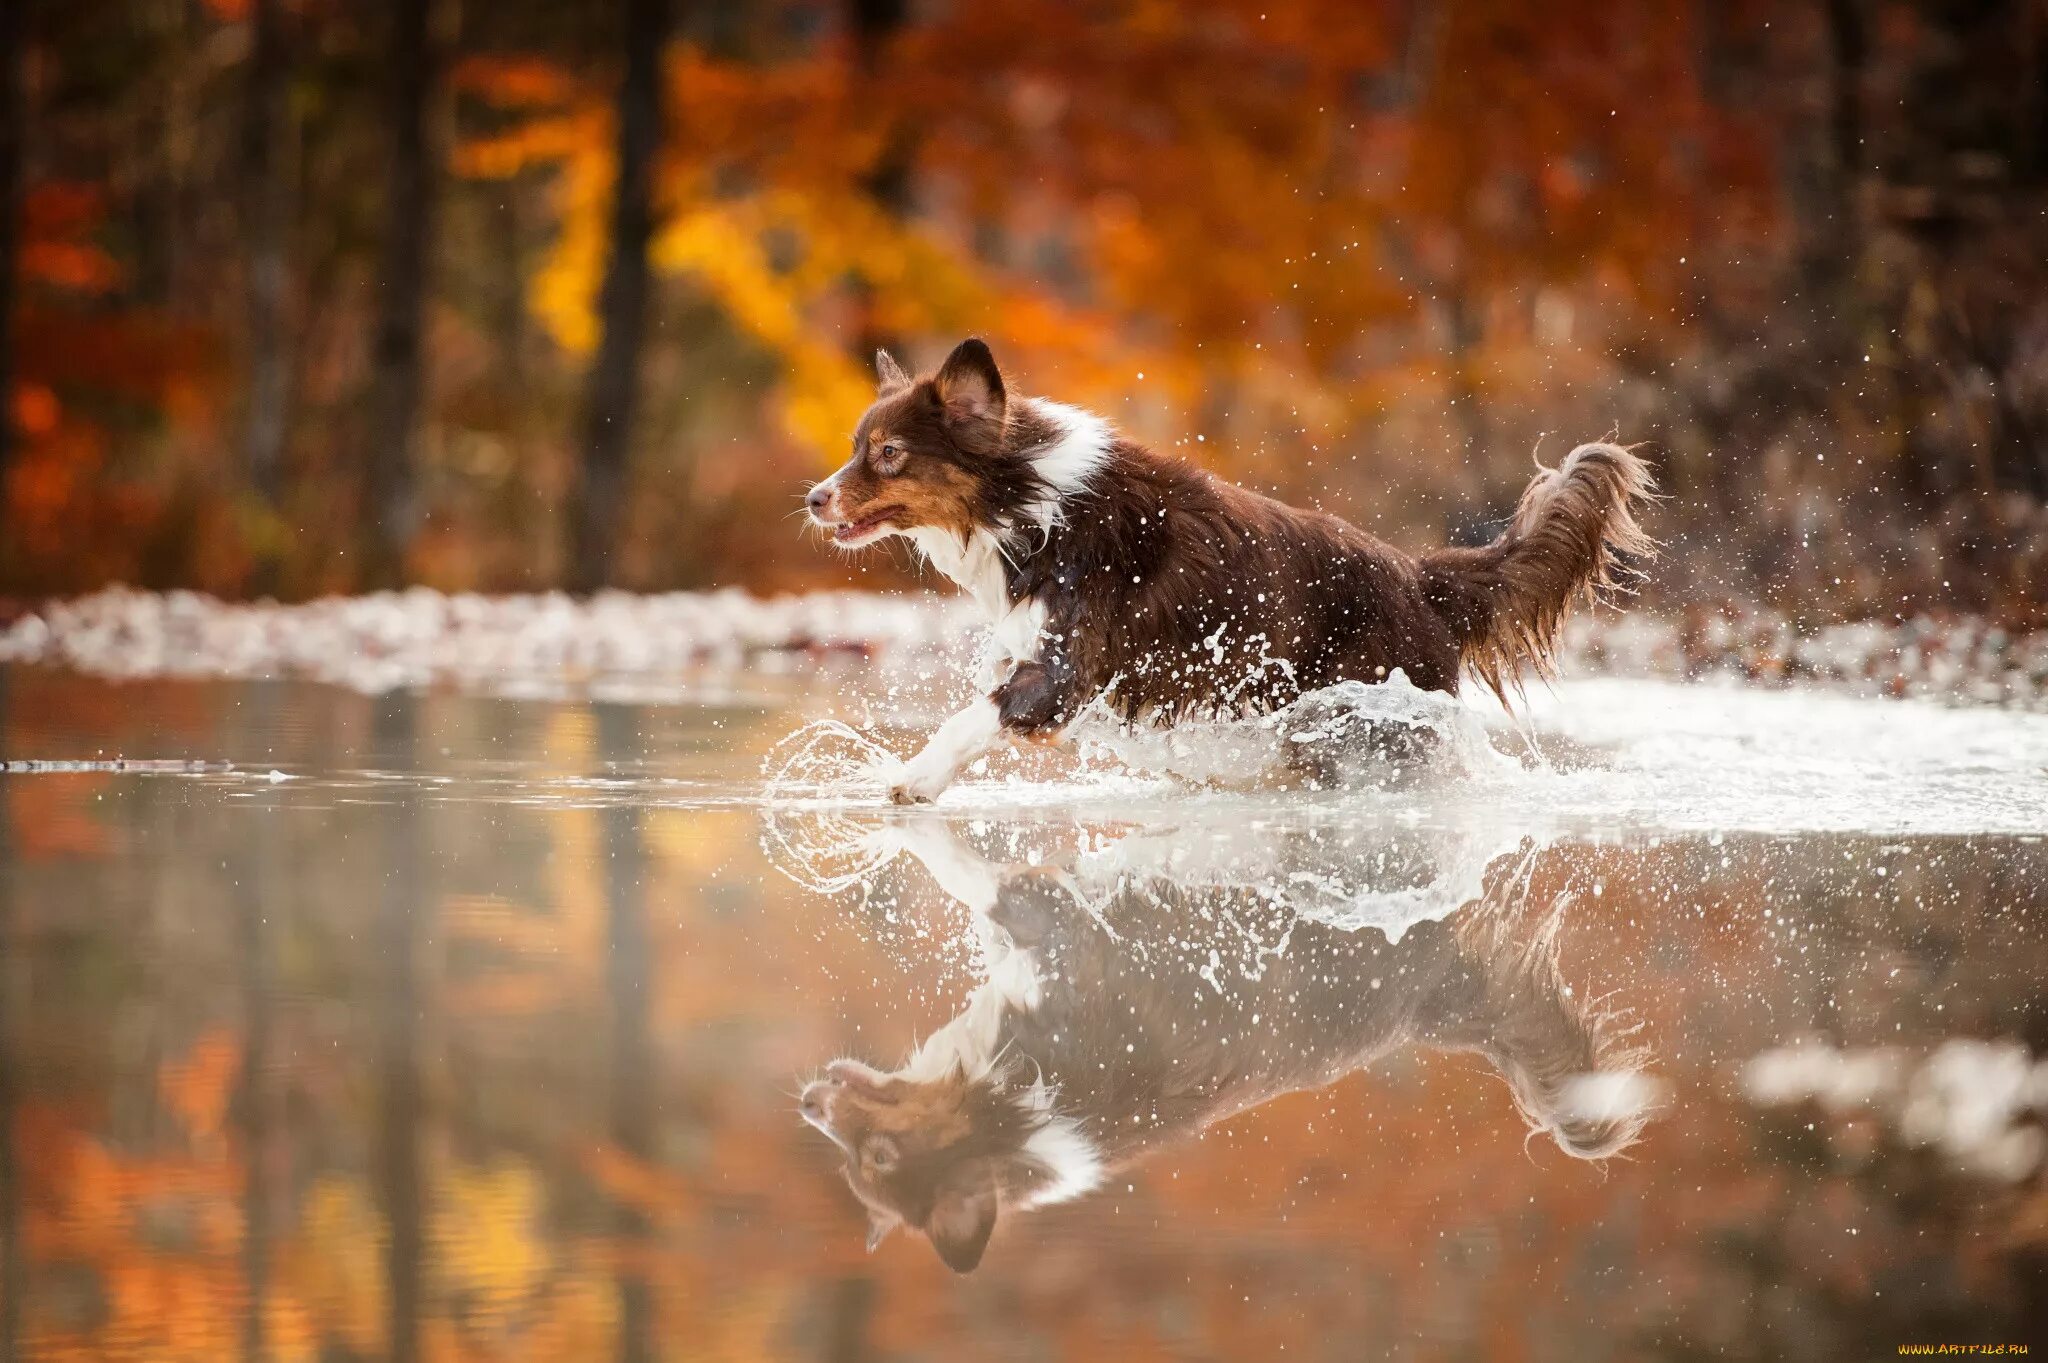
column 1506, row 601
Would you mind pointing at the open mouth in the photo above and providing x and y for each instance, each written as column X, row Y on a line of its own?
column 850, row 531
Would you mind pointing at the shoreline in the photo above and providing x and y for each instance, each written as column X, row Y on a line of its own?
column 420, row 637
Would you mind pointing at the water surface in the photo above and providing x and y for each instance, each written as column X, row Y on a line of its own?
column 432, row 1026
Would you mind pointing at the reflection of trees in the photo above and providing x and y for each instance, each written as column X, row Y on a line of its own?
column 398, row 1009
column 625, row 1134
column 632, row 1060
column 12, row 1276
column 256, row 899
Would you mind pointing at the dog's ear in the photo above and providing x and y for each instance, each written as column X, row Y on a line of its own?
column 889, row 376
column 962, row 1220
column 963, row 1216
column 970, row 385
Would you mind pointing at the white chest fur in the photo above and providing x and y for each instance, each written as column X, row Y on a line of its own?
column 978, row 568
column 1065, row 465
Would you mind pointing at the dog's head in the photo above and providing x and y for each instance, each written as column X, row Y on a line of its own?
column 935, row 1155
column 932, row 453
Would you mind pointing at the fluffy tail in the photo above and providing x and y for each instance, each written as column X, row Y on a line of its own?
column 1507, row 600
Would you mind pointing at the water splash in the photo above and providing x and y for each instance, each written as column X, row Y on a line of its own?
column 824, row 760
column 1325, row 870
column 825, row 764
column 1352, row 735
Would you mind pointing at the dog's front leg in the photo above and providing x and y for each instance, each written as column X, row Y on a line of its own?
column 1033, row 704
column 957, row 742
column 957, row 868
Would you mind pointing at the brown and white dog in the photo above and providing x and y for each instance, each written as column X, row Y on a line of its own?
column 1109, row 571
column 1103, row 1033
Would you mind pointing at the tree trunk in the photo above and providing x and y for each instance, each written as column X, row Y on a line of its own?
column 265, row 223
column 888, row 181
column 1838, row 242
column 390, row 508
column 1849, row 47
column 13, row 116
column 597, row 493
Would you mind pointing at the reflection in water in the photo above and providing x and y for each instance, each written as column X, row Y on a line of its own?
column 546, row 1016
column 632, row 1059
column 1148, row 988
column 256, row 897
column 403, row 1113
column 12, row 969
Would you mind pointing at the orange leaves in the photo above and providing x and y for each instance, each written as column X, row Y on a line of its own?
column 56, row 818
column 69, row 265
column 35, row 410
column 57, row 223
column 632, row 1183
column 543, row 141
column 514, row 81
column 158, row 1230
column 198, row 1089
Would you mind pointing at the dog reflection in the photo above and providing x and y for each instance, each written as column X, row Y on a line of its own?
column 1104, row 1032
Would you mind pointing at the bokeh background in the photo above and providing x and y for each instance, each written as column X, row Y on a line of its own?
column 315, row 295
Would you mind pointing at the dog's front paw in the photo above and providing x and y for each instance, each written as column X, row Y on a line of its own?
column 917, row 784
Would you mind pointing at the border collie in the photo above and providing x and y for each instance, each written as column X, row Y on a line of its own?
column 1099, row 1038
column 1109, row 571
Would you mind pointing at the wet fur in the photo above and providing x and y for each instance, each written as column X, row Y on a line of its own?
column 1168, row 592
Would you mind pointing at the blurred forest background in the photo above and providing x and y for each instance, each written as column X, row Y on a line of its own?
column 317, row 295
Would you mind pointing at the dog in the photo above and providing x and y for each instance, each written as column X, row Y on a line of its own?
column 1106, row 570
column 1104, row 1033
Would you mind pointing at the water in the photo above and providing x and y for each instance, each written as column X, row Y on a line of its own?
column 432, row 1026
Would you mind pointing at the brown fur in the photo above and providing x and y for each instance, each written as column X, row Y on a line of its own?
column 1178, row 593
column 959, row 460
column 1169, row 591
column 1507, row 601
column 936, row 1155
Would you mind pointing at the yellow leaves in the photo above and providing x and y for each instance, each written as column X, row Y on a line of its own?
column 721, row 246
column 485, row 1236
column 564, row 290
column 776, row 258
column 336, row 1265
column 1205, row 196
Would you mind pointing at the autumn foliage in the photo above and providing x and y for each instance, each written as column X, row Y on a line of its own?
column 1369, row 255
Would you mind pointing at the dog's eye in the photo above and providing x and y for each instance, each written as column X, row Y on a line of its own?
column 882, row 1154
column 891, row 457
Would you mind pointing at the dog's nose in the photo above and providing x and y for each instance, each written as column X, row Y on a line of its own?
column 813, row 1104
column 816, row 501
